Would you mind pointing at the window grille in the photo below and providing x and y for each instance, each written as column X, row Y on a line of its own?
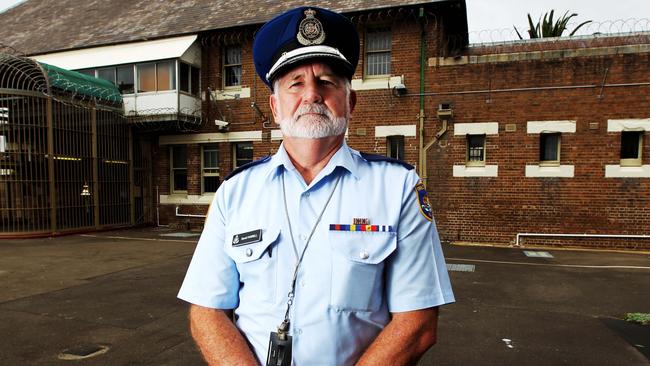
column 476, row 150
column 378, row 51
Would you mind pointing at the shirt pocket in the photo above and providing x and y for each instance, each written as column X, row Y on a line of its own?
column 358, row 260
column 256, row 264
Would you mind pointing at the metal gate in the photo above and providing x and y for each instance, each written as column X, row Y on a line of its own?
column 65, row 161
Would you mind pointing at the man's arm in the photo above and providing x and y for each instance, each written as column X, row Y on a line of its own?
column 404, row 340
column 218, row 338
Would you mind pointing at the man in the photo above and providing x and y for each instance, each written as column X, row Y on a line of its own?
column 327, row 256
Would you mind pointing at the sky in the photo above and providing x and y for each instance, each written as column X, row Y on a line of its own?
column 493, row 20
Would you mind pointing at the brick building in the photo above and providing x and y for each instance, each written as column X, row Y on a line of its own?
column 530, row 137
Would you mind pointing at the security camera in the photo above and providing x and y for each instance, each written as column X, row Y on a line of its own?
column 399, row 89
column 221, row 124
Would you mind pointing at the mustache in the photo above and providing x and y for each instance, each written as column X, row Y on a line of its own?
column 313, row 108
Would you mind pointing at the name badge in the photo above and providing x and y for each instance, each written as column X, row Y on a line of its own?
column 246, row 238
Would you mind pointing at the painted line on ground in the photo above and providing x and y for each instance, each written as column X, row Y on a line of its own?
column 546, row 264
column 136, row 238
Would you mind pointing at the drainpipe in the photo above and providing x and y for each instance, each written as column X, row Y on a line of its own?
column 421, row 153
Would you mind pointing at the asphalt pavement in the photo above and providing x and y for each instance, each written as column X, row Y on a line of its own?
column 109, row 298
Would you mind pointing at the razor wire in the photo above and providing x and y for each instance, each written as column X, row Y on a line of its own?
column 620, row 28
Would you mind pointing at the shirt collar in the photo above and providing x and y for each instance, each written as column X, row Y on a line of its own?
column 342, row 158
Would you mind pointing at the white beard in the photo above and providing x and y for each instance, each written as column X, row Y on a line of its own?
column 313, row 126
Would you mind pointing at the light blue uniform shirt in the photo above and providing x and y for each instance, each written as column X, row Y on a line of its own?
column 348, row 282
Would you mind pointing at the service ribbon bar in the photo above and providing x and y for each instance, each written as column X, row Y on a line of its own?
column 340, row 227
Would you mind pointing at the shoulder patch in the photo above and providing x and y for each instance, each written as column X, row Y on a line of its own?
column 375, row 157
column 423, row 201
column 246, row 166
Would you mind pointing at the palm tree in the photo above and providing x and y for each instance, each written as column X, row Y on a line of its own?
column 547, row 28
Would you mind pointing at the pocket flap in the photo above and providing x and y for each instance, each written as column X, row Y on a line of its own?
column 249, row 252
column 363, row 247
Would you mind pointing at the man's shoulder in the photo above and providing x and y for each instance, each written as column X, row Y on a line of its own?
column 374, row 158
column 248, row 166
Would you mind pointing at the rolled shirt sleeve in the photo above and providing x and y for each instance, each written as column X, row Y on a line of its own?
column 212, row 279
column 416, row 275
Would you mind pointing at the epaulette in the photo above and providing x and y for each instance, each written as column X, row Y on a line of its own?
column 375, row 157
column 247, row 165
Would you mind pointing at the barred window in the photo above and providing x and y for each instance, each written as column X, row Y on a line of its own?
column 549, row 148
column 476, row 150
column 232, row 66
column 210, row 168
column 378, row 45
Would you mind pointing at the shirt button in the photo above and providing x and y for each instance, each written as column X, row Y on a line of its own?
column 303, row 237
column 299, row 331
column 364, row 254
column 307, row 194
column 249, row 252
column 302, row 283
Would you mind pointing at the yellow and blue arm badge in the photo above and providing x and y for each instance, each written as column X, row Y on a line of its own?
column 423, row 201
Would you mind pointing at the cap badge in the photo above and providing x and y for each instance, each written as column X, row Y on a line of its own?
column 310, row 30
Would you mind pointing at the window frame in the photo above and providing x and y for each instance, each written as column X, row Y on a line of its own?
column 172, row 171
column 226, row 66
column 390, row 143
column 558, row 149
column 366, row 52
column 632, row 162
column 235, row 159
column 475, row 163
column 204, row 148
column 194, row 90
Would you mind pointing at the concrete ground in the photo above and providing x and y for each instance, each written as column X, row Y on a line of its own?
column 117, row 290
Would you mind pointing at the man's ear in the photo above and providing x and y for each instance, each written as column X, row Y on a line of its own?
column 353, row 100
column 274, row 108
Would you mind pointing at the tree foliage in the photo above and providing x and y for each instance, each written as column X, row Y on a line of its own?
column 548, row 27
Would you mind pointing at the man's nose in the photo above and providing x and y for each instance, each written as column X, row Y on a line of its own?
column 312, row 93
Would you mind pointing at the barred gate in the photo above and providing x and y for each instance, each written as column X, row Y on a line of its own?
column 65, row 161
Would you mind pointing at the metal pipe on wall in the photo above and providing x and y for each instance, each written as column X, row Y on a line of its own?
column 616, row 236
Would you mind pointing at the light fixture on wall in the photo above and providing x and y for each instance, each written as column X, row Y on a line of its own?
column 85, row 189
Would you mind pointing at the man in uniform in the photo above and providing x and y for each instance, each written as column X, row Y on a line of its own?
column 326, row 256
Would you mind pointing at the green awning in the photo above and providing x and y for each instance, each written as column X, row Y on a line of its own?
column 82, row 84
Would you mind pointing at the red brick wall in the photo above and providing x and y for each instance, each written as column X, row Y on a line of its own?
column 496, row 209
column 484, row 210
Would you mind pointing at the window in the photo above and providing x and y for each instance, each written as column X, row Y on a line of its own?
column 475, row 150
column 156, row 76
column 146, row 77
column 378, row 44
column 165, row 75
column 189, row 79
column 107, row 73
column 631, row 147
column 125, row 79
column 89, row 72
column 243, row 153
column 232, row 66
column 549, row 149
column 210, row 168
column 395, row 147
column 178, row 169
